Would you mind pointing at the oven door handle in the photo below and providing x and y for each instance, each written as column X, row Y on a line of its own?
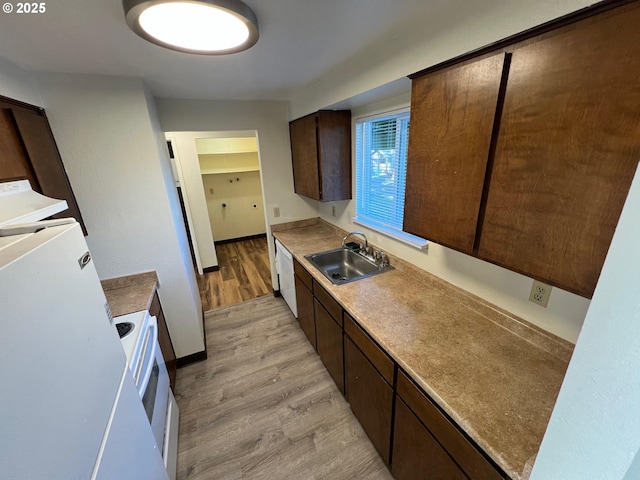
column 153, row 345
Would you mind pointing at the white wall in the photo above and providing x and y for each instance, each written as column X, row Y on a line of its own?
column 120, row 176
column 634, row 470
column 594, row 431
column 509, row 290
column 447, row 29
column 18, row 84
column 270, row 121
column 239, row 192
column 188, row 166
column 190, row 289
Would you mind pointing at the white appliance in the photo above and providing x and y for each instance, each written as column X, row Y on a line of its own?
column 20, row 204
column 144, row 358
column 70, row 409
column 284, row 267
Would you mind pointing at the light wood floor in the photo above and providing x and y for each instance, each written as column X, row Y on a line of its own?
column 244, row 274
column 262, row 406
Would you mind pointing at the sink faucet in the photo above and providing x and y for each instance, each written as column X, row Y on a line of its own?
column 380, row 258
column 366, row 243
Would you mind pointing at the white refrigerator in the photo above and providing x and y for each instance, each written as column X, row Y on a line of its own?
column 68, row 405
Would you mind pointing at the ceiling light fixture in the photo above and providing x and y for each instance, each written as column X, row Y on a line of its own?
column 206, row 27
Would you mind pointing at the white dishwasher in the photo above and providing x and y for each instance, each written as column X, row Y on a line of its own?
column 284, row 267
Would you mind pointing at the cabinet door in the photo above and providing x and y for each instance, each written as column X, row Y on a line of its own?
column 27, row 144
column 334, row 154
column 370, row 397
column 304, row 154
column 416, row 454
column 436, row 425
column 304, row 299
column 329, row 343
column 568, row 146
column 164, row 340
column 14, row 163
column 452, row 117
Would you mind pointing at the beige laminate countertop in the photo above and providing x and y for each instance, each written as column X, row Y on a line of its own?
column 129, row 294
column 496, row 375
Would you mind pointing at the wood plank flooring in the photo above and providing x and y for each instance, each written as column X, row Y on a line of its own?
column 244, row 274
column 262, row 406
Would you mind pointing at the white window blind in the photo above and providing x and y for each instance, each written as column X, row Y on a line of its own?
column 381, row 170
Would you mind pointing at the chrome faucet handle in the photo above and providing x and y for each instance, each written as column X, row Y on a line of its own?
column 380, row 258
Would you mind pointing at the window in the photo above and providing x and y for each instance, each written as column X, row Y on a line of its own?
column 381, row 170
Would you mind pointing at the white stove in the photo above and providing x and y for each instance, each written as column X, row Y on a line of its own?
column 150, row 376
column 132, row 342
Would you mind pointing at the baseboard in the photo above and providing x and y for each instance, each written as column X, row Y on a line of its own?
column 198, row 356
column 240, row 239
column 276, row 293
column 215, row 268
column 193, row 358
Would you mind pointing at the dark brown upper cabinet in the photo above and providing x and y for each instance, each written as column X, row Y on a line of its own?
column 567, row 150
column 29, row 151
column 535, row 184
column 452, row 117
column 321, row 154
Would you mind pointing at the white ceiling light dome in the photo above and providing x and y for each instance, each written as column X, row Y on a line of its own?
column 205, row 27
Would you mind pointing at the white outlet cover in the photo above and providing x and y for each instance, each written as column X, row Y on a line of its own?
column 540, row 293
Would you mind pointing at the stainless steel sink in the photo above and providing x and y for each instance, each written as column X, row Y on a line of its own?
column 342, row 265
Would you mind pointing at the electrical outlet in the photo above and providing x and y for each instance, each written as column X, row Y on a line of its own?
column 276, row 212
column 333, row 210
column 540, row 293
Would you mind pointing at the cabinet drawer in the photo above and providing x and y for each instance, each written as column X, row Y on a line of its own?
column 474, row 464
column 328, row 302
column 302, row 274
column 374, row 353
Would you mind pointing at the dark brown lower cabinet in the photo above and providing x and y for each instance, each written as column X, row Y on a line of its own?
column 329, row 344
column 164, row 340
column 370, row 397
column 428, row 445
column 304, row 299
column 416, row 454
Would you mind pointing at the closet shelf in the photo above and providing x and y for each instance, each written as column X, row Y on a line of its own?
column 217, row 171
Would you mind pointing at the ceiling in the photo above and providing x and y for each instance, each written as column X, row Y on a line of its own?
column 299, row 41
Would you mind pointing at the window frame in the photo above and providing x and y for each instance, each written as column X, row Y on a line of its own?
column 372, row 224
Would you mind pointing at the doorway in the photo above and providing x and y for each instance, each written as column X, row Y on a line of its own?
column 218, row 175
